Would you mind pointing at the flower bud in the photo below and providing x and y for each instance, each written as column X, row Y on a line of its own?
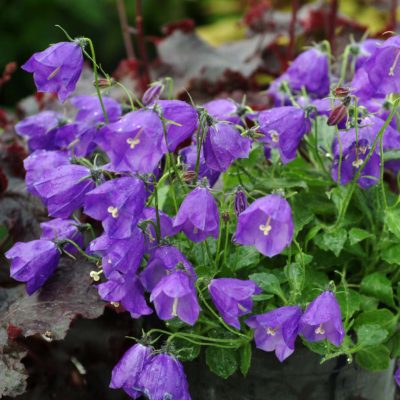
column 339, row 112
column 105, row 83
column 240, row 203
column 152, row 94
column 341, row 91
column 189, row 176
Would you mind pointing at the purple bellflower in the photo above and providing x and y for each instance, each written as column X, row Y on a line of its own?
column 277, row 93
column 163, row 378
column 198, row 215
column 33, row 262
column 323, row 320
column 57, row 69
column 240, row 202
column 365, row 50
column 284, row 127
column 163, row 261
column 311, row 71
column 90, row 111
column 224, row 110
column 181, row 121
column 126, row 372
column 135, row 143
column 233, row 298
column 266, row 224
column 223, row 145
column 397, row 376
column 63, row 188
column 276, row 330
column 125, row 290
column 175, row 296
column 122, row 255
column 118, row 203
column 153, row 93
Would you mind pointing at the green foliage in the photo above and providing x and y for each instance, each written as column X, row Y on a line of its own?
column 223, row 362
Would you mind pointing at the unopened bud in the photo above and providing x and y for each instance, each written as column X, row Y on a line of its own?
column 341, row 91
column 153, row 93
column 240, row 203
column 104, row 83
column 189, row 176
column 225, row 216
column 337, row 115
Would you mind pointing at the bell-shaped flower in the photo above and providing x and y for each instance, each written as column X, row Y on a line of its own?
column 276, row 330
column 310, row 70
column 163, row 261
column 118, row 204
column 198, row 215
column 135, row 143
column 126, row 372
column 122, row 255
column 175, row 296
column 283, row 128
column 266, row 224
column 57, row 69
column 181, row 121
column 33, row 262
column 233, row 298
column 223, row 145
column 224, row 110
column 365, row 49
column 323, row 320
column 90, row 111
column 163, row 378
column 63, row 188
column 125, row 290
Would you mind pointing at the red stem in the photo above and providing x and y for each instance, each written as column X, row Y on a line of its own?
column 292, row 30
column 142, row 44
column 123, row 20
column 332, row 23
column 393, row 16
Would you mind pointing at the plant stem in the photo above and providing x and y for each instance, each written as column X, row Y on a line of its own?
column 123, row 20
column 292, row 29
column 142, row 44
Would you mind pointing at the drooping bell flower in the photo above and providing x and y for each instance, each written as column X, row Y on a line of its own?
column 166, row 226
column 135, row 143
column 125, row 290
column 283, row 128
column 163, row 261
column 365, row 49
column 175, row 296
column 59, row 229
column 122, row 255
column 266, row 224
column 323, row 320
column 240, row 203
column 118, row 204
column 311, row 71
column 57, row 69
column 380, row 73
column 189, row 157
column 233, row 298
column 39, row 163
column 277, row 92
column 41, row 130
column 224, row 110
column 63, row 189
column 276, row 330
column 33, row 262
column 198, row 215
column 126, row 372
column 223, row 145
column 181, row 121
column 163, row 378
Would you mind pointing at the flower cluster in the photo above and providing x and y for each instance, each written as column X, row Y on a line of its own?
column 178, row 193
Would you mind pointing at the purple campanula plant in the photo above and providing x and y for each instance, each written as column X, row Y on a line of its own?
column 223, row 145
column 163, row 378
column 266, row 224
column 33, row 262
column 57, row 69
column 323, row 320
column 127, row 371
column 118, row 203
column 283, row 128
column 240, row 203
column 233, row 298
column 175, row 296
column 224, row 110
column 276, row 330
column 197, row 223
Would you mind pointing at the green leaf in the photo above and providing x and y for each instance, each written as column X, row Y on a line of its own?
column 185, row 350
column 333, row 241
column 391, row 254
column 378, row 286
column 374, row 358
column 371, row 334
column 394, row 345
column 349, row 304
column 269, row 283
column 357, row 235
column 296, row 276
column 392, row 217
column 245, row 358
column 223, row 362
column 383, row 317
column 262, row 297
column 243, row 257
column 317, row 347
